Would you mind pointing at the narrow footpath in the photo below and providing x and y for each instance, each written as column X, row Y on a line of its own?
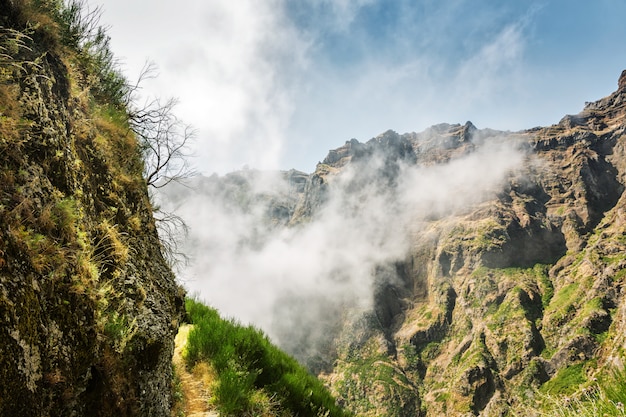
column 194, row 385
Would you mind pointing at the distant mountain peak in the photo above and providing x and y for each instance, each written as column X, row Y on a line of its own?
column 621, row 83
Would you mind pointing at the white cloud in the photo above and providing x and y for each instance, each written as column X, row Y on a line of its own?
column 341, row 12
column 492, row 75
column 486, row 87
column 267, row 90
column 272, row 82
column 233, row 66
column 289, row 278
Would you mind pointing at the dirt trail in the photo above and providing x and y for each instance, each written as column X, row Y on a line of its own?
column 195, row 386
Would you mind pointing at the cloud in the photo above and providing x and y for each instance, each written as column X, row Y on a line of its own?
column 296, row 282
column 333, row 15
column 276, row 83
column 272, row 83
column 268, row 83
column 492, row 74
column 241, row 96
column 233, row 66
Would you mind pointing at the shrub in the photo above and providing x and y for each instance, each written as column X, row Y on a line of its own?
column 81, row 31
column 234, row 391
column 566, row 381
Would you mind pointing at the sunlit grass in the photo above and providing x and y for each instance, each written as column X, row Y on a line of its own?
column 254, row 376
column 607, row 398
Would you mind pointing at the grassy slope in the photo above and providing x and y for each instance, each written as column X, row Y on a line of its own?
column 254, row 377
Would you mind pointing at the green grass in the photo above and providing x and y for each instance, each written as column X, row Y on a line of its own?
column 610, row 260
column 606, row 398
column 545, row 284
column 178, row 395
column 562, row 304
column 566, row 381
column 374, row 385
column 119, row 330
column 619, row 275
column 246, row 362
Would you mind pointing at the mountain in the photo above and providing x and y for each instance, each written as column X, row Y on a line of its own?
column 492, row 263
column 90, row 310
column 515, row 291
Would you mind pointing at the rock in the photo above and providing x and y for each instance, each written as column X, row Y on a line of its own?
column 478, row 382
column 88, row 305
column 578, row 349
column 561, row 211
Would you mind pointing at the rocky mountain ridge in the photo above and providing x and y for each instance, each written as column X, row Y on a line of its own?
column 493, row 301
column 456, row 271
column 518, row 289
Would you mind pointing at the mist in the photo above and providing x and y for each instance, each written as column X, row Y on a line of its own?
column 296, row 280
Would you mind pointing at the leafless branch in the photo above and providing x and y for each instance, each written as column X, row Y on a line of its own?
column 148, row 71
column 165, row 142
column 172, row 232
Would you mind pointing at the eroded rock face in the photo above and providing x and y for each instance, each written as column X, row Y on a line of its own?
column 88, row 306
column 506, row 294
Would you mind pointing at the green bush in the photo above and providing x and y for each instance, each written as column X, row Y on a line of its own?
column 81, row 31
column 614, row 389
column 234, row 391
column 566, row 381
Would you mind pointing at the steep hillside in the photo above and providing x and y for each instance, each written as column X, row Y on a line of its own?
column 491, row 263
column 513, row 293
column 246, row 374
column 88, row 306
column 455, row 271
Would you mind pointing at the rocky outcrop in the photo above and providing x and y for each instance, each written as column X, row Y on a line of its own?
column 621, row 83
column 88, row 306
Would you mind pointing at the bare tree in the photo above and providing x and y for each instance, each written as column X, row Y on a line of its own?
column 173, row 231
column 165, row 143
column 148, row 71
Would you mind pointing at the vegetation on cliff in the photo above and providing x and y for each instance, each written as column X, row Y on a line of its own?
column 507, row 293
column 532, row 278
column 88, row 305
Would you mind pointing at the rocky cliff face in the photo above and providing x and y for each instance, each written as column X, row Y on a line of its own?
column 88, row 306
column 502, row 291
column 508, row 294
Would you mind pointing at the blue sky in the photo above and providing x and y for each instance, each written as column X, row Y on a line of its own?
column 277, row 83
